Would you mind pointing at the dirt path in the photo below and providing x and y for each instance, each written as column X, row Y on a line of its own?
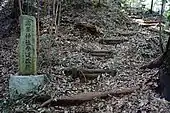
column 127, row 57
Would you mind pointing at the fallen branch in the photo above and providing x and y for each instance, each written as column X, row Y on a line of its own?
column 112, row 41
column 100, row 53
column 144, row 23
column 150, row 21
column 96, row 51
column 126, row 33
column 88, row 73
column 69, row 39
column 147, row 24
column 135, row 17
column 81, row 98
column 99, row 71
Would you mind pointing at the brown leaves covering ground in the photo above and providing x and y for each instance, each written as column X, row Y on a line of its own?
column 127, row 58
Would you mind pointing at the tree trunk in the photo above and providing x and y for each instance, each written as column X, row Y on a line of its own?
column 165, row 68
column 151, row 10
column 165, row 73
column 15, row 11
column 160, row 26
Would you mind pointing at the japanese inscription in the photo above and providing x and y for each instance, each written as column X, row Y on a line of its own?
column 27, row 45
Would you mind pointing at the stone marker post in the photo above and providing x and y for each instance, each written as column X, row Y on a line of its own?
column 27, row 80
column 27, row 46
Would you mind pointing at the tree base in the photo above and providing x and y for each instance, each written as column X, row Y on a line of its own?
column 165, row 83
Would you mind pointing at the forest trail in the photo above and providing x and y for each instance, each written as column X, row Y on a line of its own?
column 74, row 46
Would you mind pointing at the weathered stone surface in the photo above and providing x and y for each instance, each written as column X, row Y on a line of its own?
column 20, row 84
column 27, row 45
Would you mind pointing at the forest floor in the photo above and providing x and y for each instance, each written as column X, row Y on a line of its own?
column 69, row 49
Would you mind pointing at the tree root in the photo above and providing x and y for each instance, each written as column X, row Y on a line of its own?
column 81, row 98
column 155, row 63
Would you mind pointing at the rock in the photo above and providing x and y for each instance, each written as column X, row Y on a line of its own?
column 19, row 85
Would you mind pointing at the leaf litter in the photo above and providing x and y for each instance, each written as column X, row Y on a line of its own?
column 127, row 58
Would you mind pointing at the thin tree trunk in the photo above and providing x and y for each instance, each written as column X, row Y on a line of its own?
column 16, row 11
column 20, row 6
column 160, row 26
column 55, row 19
column 59, row 13
column 38, row 28
column 53, row 16
column 151, row 10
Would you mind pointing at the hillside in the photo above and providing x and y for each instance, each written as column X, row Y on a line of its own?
column 85, row 29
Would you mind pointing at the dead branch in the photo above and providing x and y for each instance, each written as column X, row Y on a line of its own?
column 100, row 53
column 150, row 21
column 135, row 17
column 112, row 41
column 147, row 24
column 88, row 73
column 81, row 98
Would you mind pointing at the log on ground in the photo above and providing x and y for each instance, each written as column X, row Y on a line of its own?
column 100, row 53
column 81, row 98
column 147, row 24
column 88, row 73
column 112, row 41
